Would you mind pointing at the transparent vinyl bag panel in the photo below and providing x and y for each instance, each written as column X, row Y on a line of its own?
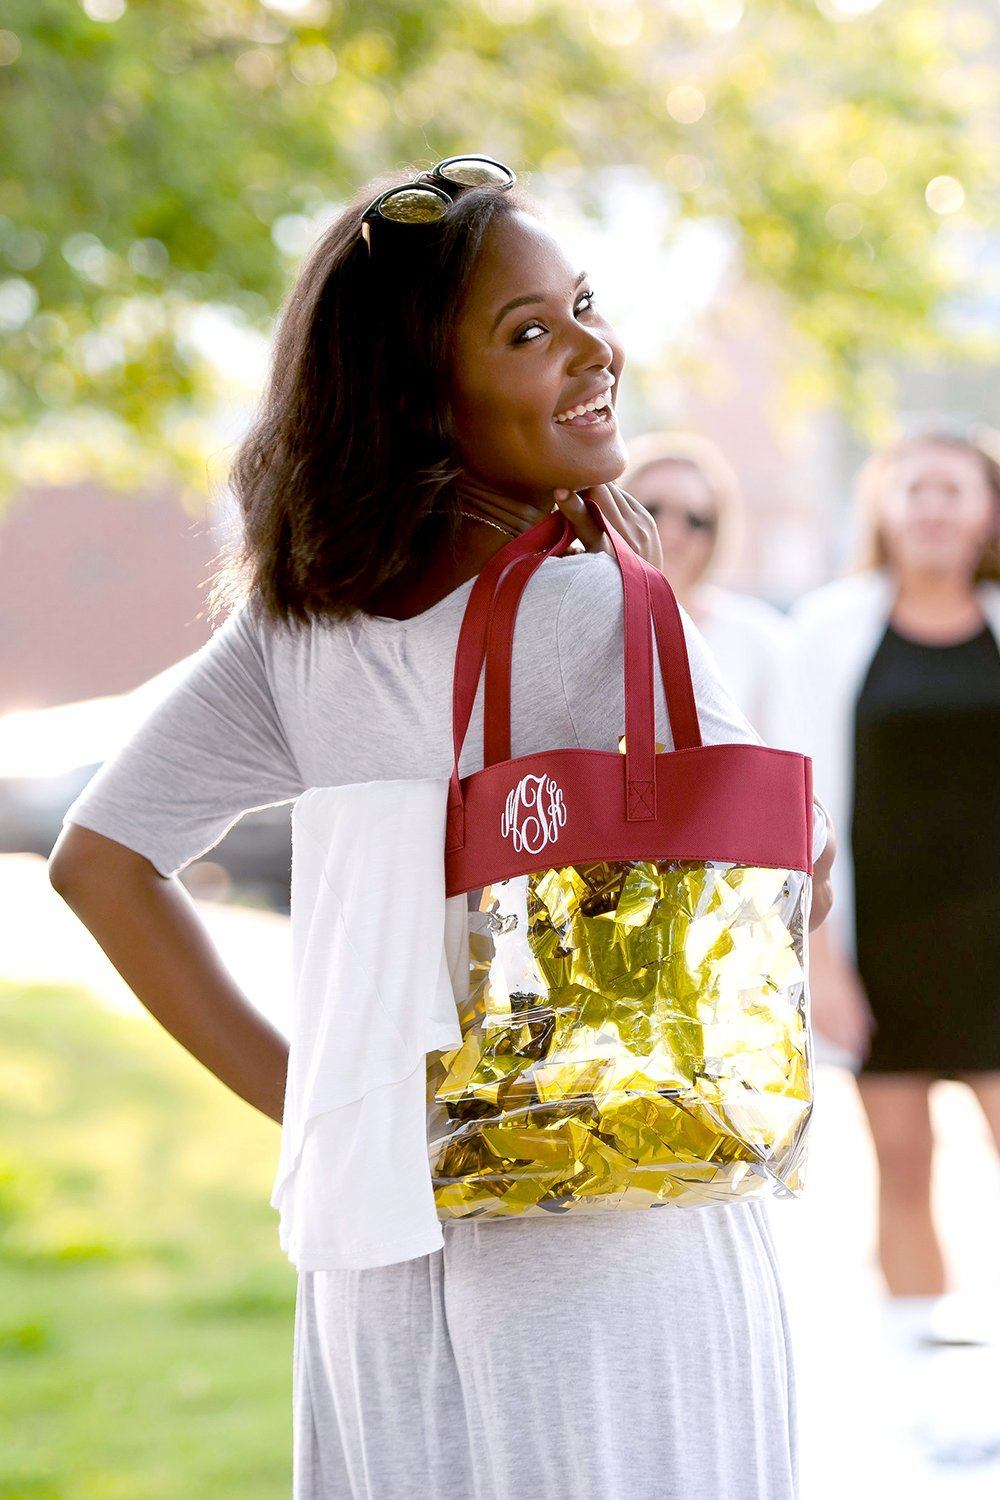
column 636, row 1035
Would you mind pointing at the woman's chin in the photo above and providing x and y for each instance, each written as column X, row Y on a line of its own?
column 590, row 480
column 603, row 468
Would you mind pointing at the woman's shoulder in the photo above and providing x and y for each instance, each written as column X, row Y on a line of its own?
column 744, row 612
column 582, row 578
column 581, row 591
column 988, row 592
column 842, row 596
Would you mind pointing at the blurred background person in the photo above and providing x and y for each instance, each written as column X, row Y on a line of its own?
column 693, row 494
column 899, row 669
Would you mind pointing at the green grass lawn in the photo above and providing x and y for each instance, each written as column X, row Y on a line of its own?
column 146, row 1309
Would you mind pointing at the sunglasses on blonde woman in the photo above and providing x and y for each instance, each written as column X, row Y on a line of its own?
column 694, row 522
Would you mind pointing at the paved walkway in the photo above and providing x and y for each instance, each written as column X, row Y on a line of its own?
column 879, row 1418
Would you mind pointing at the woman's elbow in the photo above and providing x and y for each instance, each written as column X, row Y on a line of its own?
column 81, row 857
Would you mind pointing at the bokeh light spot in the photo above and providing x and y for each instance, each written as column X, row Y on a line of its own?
column 945, row 195
column 686, row 104
column 104, row 10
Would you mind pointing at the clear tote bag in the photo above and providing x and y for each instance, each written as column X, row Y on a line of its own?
column 635, row 1033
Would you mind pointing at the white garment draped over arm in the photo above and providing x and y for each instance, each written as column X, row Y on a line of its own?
column 380, row 967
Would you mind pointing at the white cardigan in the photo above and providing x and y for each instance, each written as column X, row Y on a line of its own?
column 837, row 632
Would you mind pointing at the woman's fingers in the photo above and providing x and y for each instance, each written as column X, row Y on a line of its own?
column 606, row 497
column 649, row 545
column 622, row 511
column 586, row 528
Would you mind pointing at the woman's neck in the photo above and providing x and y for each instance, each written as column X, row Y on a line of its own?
column 486, row 508
column 489, row 523
column 693, row 598
column 935, row 606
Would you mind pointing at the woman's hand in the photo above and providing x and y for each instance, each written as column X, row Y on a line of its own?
column 838, row 1003
column 822, row 877
column 623, row 511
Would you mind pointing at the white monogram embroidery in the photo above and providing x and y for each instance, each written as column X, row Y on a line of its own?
column 534, row 813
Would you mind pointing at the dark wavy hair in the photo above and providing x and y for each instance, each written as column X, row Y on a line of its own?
column 346, row 476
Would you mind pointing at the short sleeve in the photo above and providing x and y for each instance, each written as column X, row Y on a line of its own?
column 211, row 750
column 589, row 635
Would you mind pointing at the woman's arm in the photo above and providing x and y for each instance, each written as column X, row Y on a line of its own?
column 149, row 928
column 838, row 1003
column 212, row 749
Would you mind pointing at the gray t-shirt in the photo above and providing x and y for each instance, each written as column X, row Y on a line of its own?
column 267, row 710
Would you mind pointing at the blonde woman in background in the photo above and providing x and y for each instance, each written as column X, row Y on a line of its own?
column 898, row 670
column 692, row 493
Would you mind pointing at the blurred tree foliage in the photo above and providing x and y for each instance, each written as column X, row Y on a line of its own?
column 158, row 156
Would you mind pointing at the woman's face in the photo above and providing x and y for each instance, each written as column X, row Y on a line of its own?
column 515, row 369
column 679, row 499
column 938, row 511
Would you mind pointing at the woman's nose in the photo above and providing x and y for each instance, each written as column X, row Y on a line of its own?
column 595, row 350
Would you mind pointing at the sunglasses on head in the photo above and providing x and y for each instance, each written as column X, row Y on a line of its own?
column 428, row 197
column 691, row 518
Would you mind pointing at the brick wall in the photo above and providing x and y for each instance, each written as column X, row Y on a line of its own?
column 98, row 592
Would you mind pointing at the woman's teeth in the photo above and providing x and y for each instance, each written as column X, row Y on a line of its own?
column 581, row 412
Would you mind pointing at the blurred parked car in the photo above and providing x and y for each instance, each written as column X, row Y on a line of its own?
column 48, row 755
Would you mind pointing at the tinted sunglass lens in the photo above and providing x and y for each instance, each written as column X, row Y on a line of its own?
column 414, row 205
column 475, row 171
column 692, row 520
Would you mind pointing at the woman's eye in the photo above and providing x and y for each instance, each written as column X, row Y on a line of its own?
column 587, row 297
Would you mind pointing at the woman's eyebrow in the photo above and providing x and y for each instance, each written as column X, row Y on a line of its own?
column 524, row 301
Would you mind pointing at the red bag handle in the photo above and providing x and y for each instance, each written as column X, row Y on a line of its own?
column 639, row 741
column 675, row 667
column 671, row 649
column 487, row 633
column 548, row 538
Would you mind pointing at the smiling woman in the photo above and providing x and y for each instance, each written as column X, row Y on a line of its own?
column 425, row 406
column 423, row 394
column 535, row 375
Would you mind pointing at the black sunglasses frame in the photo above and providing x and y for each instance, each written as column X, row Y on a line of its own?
column 694, row 522
column 433, row 181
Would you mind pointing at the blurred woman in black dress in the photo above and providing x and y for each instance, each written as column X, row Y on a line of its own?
column 900, row 670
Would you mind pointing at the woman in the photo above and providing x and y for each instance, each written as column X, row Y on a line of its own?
column 692, row 493
column 898, row 673
column 419, row 415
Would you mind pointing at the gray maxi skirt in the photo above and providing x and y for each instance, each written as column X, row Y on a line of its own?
column 639, row 1355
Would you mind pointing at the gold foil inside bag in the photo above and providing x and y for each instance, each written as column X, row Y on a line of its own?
column 635, row 1035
